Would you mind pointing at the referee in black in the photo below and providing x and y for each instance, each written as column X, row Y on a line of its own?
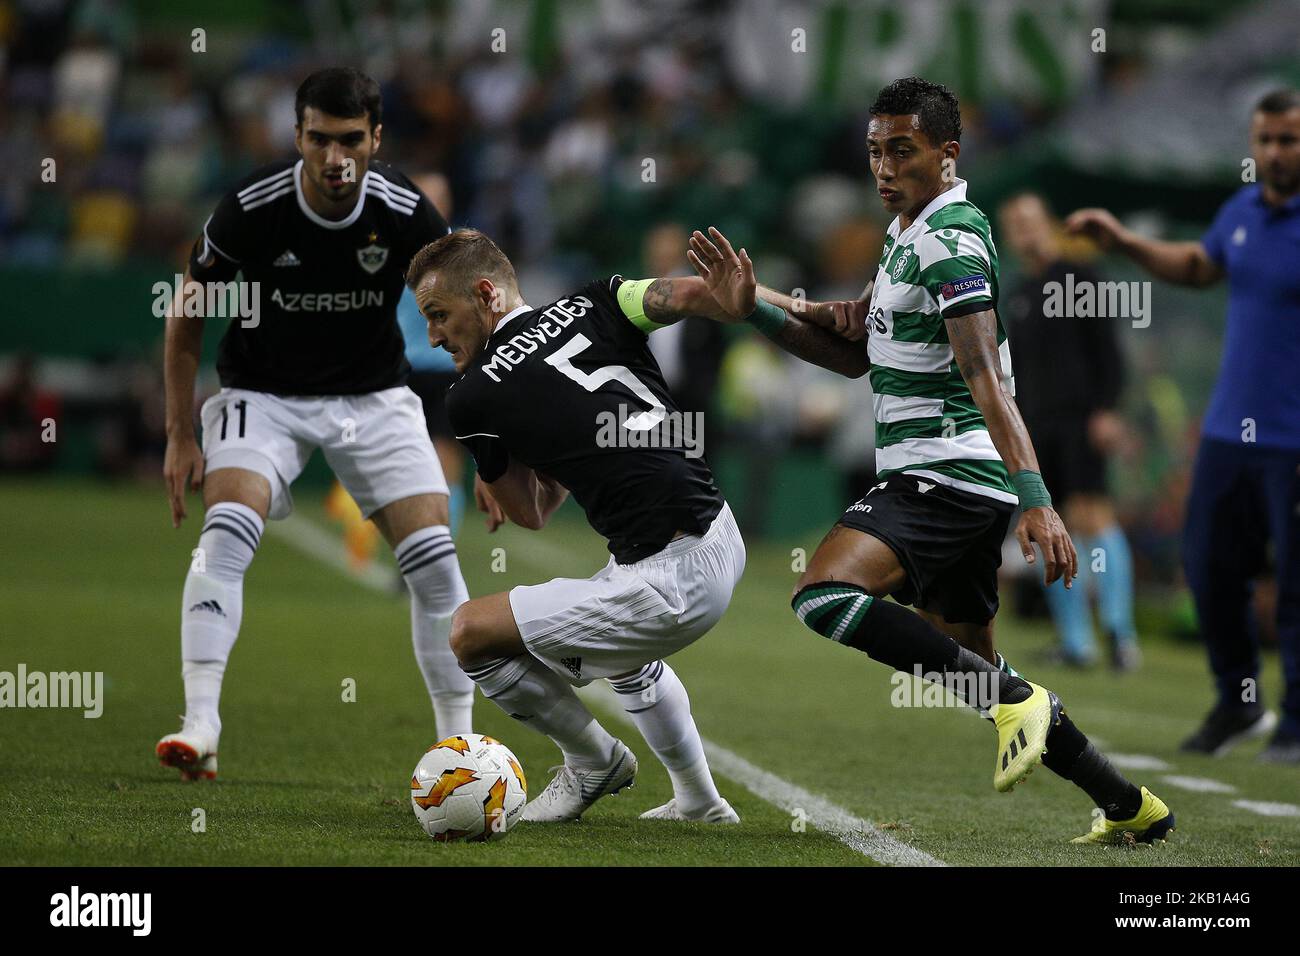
column 1069, row 377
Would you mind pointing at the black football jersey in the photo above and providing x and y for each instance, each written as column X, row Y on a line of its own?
column 553, row 388
column 328, row 290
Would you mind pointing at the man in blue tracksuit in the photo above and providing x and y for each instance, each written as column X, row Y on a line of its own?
column 1246, row 486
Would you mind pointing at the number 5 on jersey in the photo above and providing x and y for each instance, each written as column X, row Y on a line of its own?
column 561, row 359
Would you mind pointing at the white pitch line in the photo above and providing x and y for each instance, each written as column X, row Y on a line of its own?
column 1266, row 809
column 544, row 552
column 1198, row 784
column 544, row 555
column 327, row 548
column 853, row 831
column 1164, row 722
column 1138, row 762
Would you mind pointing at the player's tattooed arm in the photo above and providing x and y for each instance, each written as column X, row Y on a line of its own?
column 669, row 300
column 729, row 278
column 974, row 343
column 845, row 319
column 820, row 346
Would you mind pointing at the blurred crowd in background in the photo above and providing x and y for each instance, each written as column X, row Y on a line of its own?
column 587, row 138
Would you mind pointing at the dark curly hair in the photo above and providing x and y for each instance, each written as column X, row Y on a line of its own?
column 933, row 103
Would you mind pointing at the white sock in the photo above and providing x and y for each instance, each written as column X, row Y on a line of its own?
column 656, row 700
column 531, row 692
column 212, row 605
column 427, row 559
column 203, row 692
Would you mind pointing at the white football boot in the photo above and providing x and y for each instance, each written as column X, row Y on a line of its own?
column 719, row 812
column 572, row 791
column 193, row 750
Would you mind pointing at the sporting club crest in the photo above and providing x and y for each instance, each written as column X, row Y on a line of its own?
column 900, row 264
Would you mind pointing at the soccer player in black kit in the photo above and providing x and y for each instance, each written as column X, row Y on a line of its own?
column 539, row 390
column 326, row 239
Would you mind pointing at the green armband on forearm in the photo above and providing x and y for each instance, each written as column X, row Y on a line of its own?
column 767, row 318
column 631, row 299
column 1030, row 490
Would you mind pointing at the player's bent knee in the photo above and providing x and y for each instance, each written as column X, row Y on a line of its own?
column 474, row 637
column 833, row 609
column 463, row 639
column 818, row 576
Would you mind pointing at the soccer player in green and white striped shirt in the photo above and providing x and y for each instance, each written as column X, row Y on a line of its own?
column 953, row 458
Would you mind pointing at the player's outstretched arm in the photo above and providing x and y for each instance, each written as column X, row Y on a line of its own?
column 183, row 459
column 525, row 497
column 730, row 280
column 672, row 298
column 974, row 344
column 846, row 319
column 1183, row 263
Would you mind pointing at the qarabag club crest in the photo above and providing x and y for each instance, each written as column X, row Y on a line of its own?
column 373, row 256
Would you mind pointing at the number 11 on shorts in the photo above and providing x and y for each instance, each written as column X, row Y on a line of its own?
column 242, row 405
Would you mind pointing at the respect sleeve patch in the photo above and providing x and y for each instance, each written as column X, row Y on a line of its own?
column 967, row 285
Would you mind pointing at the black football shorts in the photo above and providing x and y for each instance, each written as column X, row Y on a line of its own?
column 948, row 541
column 1067, row 460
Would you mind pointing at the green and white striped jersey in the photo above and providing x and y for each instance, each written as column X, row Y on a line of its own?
column 927, row 424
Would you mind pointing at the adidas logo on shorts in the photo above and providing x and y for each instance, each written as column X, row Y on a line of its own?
column 574, row 664
column 287, row 258
column 212, row 606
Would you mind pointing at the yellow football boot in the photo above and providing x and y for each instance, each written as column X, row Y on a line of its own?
column 1022, row 735
column 1153, row 824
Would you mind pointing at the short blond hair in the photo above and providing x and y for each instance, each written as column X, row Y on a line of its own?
column 462, row 256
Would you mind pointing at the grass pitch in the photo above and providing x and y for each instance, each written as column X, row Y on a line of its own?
column 90, row 579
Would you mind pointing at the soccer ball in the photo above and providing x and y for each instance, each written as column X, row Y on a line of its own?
column 468, row 787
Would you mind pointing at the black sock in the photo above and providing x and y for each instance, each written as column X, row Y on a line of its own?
column 904, row 640
column 1071, row 755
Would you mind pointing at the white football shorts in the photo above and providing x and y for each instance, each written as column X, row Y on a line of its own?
column 377, row 443
column 628, row 615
